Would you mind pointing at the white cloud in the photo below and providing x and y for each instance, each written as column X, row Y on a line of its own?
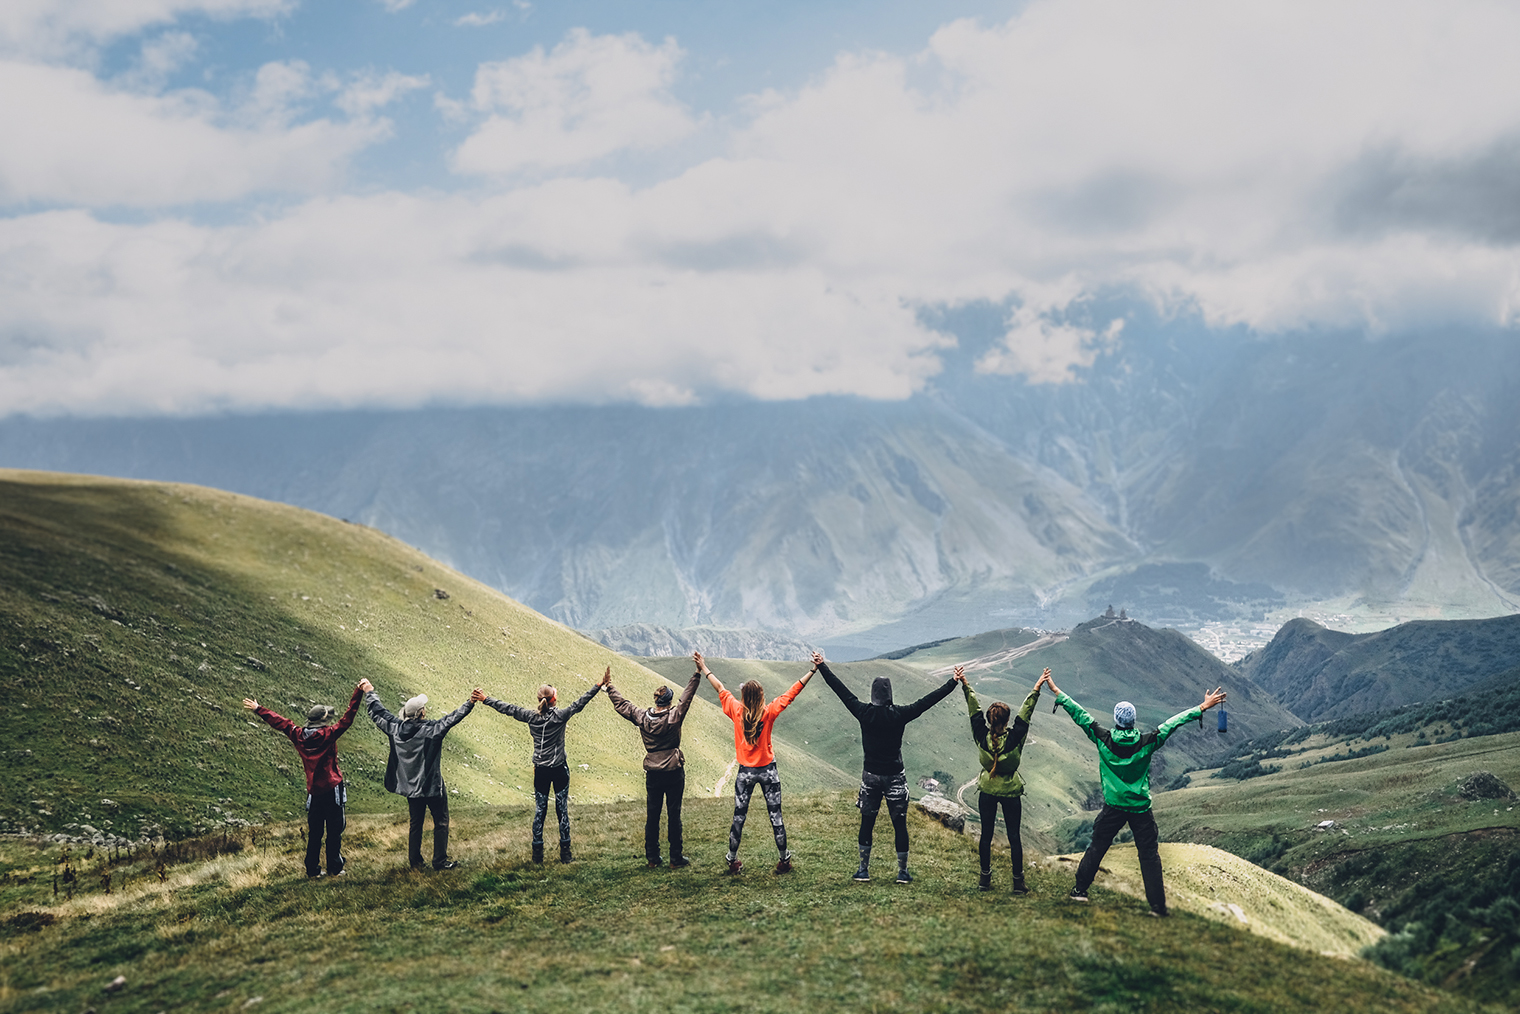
column 590, row 96
column 478, row 20
column 396, row 6
column 70, row 139
column 1277, row 166
column 46, row 28
column 371, row 91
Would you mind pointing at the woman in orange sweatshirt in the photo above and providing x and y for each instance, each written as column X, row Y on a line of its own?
column 752, row 720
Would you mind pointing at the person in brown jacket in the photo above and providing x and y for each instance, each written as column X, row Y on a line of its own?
column 664, row 764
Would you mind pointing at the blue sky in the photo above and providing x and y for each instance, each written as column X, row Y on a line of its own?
column 212, row 205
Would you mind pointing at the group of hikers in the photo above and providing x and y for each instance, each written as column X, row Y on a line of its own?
column 416, row 742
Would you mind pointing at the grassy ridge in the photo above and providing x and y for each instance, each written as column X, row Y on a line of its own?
column 135, row 616
column 1406, row 849
column 605, row 934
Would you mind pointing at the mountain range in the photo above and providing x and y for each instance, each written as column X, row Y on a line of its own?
column 1192, row 477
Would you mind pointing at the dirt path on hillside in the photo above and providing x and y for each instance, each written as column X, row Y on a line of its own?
column 1006, row 655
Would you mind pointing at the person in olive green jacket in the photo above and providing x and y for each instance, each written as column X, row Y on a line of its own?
column 1124, row 765
column 999, row 747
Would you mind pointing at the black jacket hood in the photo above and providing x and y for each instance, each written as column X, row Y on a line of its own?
column 881, row 691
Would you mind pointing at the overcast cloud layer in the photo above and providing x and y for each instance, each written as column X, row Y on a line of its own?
column 175, row 248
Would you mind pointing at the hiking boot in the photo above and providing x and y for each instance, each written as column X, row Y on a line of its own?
column 984, row 882
column 447, row 864
column 1077, row 894
column 904, row 877
column 784, row 866
column 654, row 863
column 538, row 853
column 315, row 876
column 339, row 873
column 564, row 852
column 862, row 875
column 1157, row 913
column 1020, row 888
column 679, row 862
column 734, row 866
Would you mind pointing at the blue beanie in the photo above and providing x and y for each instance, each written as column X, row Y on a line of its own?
column 1124, row 715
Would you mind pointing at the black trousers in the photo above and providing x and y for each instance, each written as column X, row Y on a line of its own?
column 664, row 789
column 324, row 813
column 874, row 790
column 1108, row 823
column 1013, row 808
column 556, row 779
column 420, row 806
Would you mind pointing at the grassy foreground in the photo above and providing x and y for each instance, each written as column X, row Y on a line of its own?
column 248, row 931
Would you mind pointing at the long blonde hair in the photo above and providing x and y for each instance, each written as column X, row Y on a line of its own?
column 546, row 695
column 753, row 696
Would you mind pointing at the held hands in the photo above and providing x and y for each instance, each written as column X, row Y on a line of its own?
column 1045, row 680
column 366, row 686
column 960, row 675
column 817, row 660
column 696, row 657
column 1213, row 697
column 250, row 704
column 477, row 695
column 606, row 677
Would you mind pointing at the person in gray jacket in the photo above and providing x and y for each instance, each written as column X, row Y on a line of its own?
column 551, row 769
column 664, row 764
column 413, row 767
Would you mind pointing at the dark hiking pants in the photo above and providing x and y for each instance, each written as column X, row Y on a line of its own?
column 324, row 814
column 420, row 806
column 1013, row 808
column 1108, row 823
column 744, row 787
column 663, row 789
column 558, row 780
column 874, row 789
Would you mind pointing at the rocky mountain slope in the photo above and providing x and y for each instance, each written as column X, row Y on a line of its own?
column 1319, row 673
column 1192, row 476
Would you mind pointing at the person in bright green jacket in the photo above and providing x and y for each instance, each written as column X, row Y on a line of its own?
column 1124, row 764
column 999, row 747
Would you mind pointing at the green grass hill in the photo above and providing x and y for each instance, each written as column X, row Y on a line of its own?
column 1383, row 813
column 136, row 616
column 245, row 930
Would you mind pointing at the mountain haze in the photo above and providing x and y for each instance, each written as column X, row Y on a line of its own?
column 1192, row 476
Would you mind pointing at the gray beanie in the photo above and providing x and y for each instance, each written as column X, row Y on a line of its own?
column 662, row 696
column 319, row 714
column 1124, row 715
column 413, row 707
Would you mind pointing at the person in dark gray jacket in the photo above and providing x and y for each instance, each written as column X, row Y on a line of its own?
column 413, row 767
column 551, row 769
column 664, row 764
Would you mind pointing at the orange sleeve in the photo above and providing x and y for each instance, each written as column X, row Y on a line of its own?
column 731, row 707
column 779, row 705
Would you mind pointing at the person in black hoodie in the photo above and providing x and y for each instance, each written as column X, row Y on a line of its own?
column 413, row 771
column 883, row 777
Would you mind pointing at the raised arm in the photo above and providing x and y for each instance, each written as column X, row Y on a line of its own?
column 1033, row 698
column 621, row 704
column 384, row 720
column 456, row 716
column 575, row 706
column 716, row 683
column 277, row 722
column 678, row 713
column 841, row 691
column 341, row 726
column 929, row 700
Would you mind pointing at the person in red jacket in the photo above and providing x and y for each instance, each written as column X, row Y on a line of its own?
column 326, row 793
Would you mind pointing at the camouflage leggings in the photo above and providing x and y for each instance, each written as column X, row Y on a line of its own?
column 545, row 779
column 770, row 788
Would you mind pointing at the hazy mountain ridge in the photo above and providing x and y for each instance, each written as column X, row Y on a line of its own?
column 1319, row 466
column 1319, row 673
